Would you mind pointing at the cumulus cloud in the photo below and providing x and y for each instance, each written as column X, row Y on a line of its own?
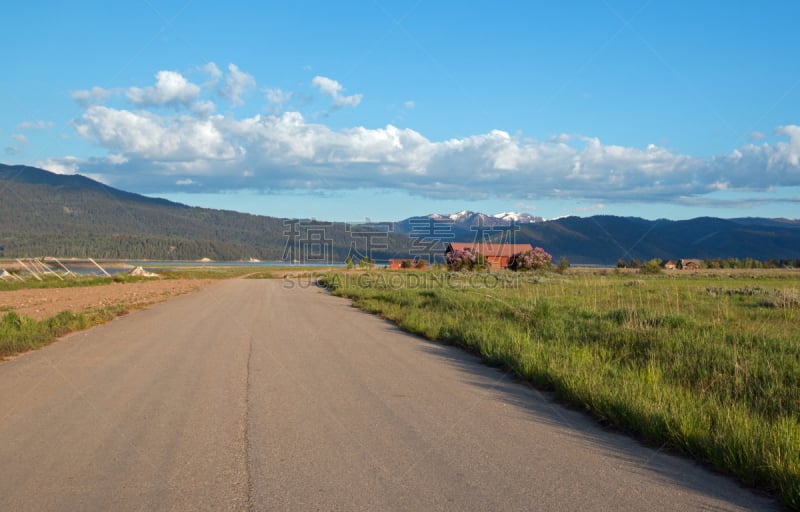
column 285, row 151
column 334, row 89
column 204, row 108
column 212, row 70
column 166, row 150
column 143, row 135
column 278, row 98
column 63, row 165
column 237, row 84
column 171, row 89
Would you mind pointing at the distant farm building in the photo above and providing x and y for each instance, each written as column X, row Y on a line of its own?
column 690, row 264
column 497, row 255
column 671, row 265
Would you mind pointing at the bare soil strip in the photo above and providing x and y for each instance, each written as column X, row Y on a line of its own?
column 45, row 303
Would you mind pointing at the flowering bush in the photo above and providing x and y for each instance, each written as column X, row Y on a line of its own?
column 536, row 259
column 466, row 260
column 419, row 264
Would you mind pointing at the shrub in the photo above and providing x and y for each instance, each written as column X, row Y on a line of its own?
column 536, row 259
column 466, row 260
column 651, row 267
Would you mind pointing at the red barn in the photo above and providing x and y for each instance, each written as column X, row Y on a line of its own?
column 497, row 255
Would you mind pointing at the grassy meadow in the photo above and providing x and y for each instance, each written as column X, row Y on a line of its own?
column 705, row 364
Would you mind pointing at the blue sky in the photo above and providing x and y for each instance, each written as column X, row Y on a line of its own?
column 383, row 110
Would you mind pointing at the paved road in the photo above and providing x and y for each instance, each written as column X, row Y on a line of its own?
column 253, row 395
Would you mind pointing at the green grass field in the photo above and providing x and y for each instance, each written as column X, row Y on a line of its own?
column 706, row 365
column 21, row 334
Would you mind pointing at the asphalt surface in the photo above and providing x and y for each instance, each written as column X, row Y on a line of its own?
column 272, row 395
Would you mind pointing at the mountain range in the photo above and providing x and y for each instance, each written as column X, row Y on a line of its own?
column 461, row 226
column 605, row 239
column 47, row 214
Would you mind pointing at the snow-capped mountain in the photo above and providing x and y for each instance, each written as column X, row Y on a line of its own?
column 519, row 218
column 472, row 218
column 463, row 224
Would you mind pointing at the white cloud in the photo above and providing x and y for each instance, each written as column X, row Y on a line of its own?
column 285, row 151
column 333, row 89
column 152, row 151
column 212, row 70
column 20, row 138
column 787, row 151
column 117, row 159
column 20, row 141
column 409, row 104
column 204, row 108
column 93, row 96
column 237, row 83
column 64, row 165
column 142, row 135
column 327, row 85
column 278, row 98
column 171, row 89
column 35, row 125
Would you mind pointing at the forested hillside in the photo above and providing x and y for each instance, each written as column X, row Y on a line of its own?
column 605, row 239
column 46, row 214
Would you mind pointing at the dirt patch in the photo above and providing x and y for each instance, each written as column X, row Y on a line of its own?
column 44, row 303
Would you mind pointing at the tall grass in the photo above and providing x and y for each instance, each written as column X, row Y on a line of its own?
column 707, row 366
column 22, row 333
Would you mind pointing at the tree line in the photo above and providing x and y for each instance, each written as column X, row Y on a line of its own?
column 722, row 263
